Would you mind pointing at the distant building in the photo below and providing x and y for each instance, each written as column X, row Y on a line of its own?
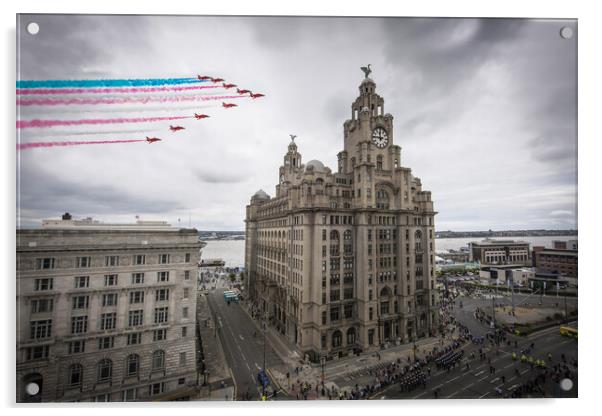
column 499, row 252
column 341, row 261
column 106, row 312
column 561, row 261
column 564, row 245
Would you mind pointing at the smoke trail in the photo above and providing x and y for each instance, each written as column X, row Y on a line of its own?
column 24, row 124
column 62, row 133
column 87, row 83
column 125, row 100
column 47, row 91
column 24, row 146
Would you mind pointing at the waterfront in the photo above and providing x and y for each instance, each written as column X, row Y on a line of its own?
column 233, row 251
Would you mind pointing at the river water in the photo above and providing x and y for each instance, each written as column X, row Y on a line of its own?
column 233, row 251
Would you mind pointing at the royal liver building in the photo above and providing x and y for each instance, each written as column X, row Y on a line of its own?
column 344, row 261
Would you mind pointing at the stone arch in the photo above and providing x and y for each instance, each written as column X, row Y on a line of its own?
column 351, row 335
column 385, row 292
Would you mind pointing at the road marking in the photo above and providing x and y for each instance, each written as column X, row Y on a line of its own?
column 420, row 395
column 484, row 395
column 494, row 380
column 241, row 337
column 509, row 365
column 479, row 373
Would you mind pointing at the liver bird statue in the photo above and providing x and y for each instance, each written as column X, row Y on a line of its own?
column 293, row 136
column 366, row 70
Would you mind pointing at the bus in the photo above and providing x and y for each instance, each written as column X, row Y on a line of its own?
column 230, row 295
column 568, row 331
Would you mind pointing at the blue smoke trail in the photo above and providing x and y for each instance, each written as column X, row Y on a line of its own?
column 87, row 83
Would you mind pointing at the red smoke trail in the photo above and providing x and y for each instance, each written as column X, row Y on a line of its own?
column 61, row 91
column 124, row 100
column 23, row 124
column 34, row 145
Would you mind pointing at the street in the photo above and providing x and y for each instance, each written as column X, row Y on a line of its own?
column 243, row 345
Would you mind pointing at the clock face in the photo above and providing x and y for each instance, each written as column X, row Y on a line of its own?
column 380, row 137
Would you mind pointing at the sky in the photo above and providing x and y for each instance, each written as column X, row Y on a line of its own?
column 484, row 110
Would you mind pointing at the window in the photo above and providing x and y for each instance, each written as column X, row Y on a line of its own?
column 132, row 364
column 161, row 315
column 161, row 295
column 79, row 324
column 156, row 388
column 106, row 343
column 370, row 313
column 103, row 398
column 134, row 338
column 184, row 331
column 45, row 263
column 334, row 313
column 181, row 381
column 137, row 278
column 324, row 318
column 37, row 353
column 76, row 347
column 158, row 360
column 136, row 318
column 105, row 370
column 163, row 258
column 111, row 261
column 42, row 305
column 139, row 259
column 110, row 280
column 187, row 258
column 43, row 284
column 348, row 311
column 371, row 336
column 182, row 359
column 80, row 302
column 162, row 276
column 185, row 312
column 41, row 329
column 109, row 299
column 187, row 275
column 83, row 262
column 159, row 335
column 185, row 295
column 137, row 297
column 82, row 281
column 75, row 375
column 108, row 321
column 129, row 395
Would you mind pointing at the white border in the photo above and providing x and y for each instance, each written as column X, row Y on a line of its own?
column 589, row 186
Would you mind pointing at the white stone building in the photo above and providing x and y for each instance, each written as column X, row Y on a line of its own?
column 344, row 261
column 106, row 312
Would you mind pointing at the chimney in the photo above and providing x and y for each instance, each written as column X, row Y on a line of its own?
column 66, row 216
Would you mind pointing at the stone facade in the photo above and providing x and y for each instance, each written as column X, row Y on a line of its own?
column 344, row 261
column 106, row 312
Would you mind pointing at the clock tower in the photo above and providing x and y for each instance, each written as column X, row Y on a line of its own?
column 369, row 133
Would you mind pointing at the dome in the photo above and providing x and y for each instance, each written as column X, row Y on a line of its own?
column 260, row 195
column 315, row 165
column 367, row 80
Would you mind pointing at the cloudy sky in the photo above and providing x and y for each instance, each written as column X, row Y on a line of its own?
column 484, row 110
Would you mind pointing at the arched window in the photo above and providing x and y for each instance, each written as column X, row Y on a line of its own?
column 379, row 162
column 158, row 360
column 319, row 181
column 105, row 370
column 337, row 339
column 76, row 372
column 132, row 364
column 418, row 240
column 385, row 292
column 351, row 336
column 382, row 199
column 334, row 235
